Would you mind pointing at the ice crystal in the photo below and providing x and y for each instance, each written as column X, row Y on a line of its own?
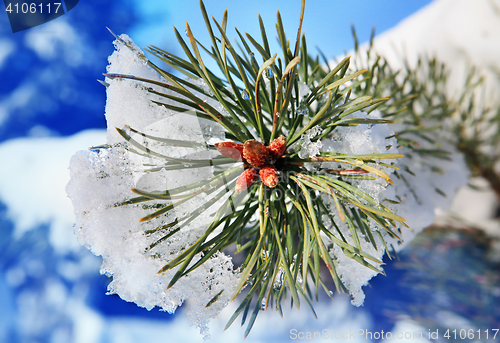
column 309, row 148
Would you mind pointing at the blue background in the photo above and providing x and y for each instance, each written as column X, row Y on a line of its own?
column 54, row 92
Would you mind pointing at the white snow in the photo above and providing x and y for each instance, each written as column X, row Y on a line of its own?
column 128, row 104
column 358, row 140
column 474, row 207
column 102, row 178
column 307, row 147
column 90, row 326
column 461, row 33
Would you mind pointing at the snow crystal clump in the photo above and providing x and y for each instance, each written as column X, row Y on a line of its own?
column 420, row 186
column 359, row 140
column 304, row 91
column 430, row 187
column 101, row 180
column 364, row 140
column 307, row 147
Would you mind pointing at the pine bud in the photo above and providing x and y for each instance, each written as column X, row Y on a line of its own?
column 277, row 147
column 231, row 149
column 255, row 153
column 245, row 180
column 269, row 176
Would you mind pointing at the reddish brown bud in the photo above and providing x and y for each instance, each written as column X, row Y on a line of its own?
column 269, row 176
column 277, row 147
column 231, row 149
column 245, row 180
column 255, row 153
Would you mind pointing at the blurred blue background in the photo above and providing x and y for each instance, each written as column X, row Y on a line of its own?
column 50, row 287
